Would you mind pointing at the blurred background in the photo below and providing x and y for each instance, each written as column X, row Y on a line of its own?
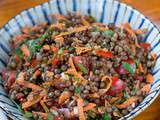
column 150, row 8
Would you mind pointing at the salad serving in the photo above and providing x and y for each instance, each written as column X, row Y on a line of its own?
column 77, row 68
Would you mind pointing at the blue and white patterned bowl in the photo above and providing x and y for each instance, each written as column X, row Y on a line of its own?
column 106, row 11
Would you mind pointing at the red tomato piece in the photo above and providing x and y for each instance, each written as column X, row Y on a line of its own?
column 117, row 86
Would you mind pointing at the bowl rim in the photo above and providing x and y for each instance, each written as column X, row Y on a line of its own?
column 119, row 2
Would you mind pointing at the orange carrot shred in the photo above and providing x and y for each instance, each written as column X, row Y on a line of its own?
column 127, row 103
column 59, row 40
column 64, row 96
column 75, row 30
column 105, row 79
column 149, row 78
column 25, row 50
column 140, row 68
column 46, row 47
column 85, row 22
column 146, row 88
column 89, row 106
column 138, row 31
column 154, row 56
column 36, row 73
column 20, row 80
column 80, row 109
column 44, row 106
column 33, row 101
column 113, row 99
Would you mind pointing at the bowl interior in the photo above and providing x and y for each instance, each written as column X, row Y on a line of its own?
column 106, row 11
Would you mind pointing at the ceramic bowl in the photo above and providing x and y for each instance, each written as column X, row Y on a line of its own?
column 106, row 11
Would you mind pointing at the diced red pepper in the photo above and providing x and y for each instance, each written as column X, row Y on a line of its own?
column 54, row 49
column 145, row 45
column 105, row 54
column 17, row 58
column 55, row 61
column 130, row 61
column 117, row 86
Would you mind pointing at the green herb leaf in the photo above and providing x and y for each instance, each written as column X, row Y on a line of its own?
column 82, row 68
column 97, row 29
column 77, row 90
column 125, row 94
column 71, row 48
column 50, row 116
column 19, row 52
column 137, row 62
column 109, row 33
column 128, row 67
column 134, row 91
column 28, row 114
column 106, row 116
column 60, row 51
column 40, row 118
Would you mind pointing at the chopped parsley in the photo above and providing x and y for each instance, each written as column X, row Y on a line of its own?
column 82, row 68
column 106, row 116
column 130, row 68
column 108, row 33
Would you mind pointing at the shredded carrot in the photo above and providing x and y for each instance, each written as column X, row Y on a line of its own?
column 146, row 88
column 89, row 106
column 34, row 100
column 54, row 49
column 63, row 97
column 149, row 78
column 127, row 103
column 82, row 81
column 80, row 109
column 20, row 80
column 48, row 83
column 71, row 63
column 94, row 95
column 59, row 17
column 85, row 22
column 59, row 40
column 58, row 25
column 34, row 62
column 25, row 50
column 108, row 80
column 44, row 106
column 26, row 30
column 138, row 31
column 75, row 30
column 36, row 74
column 46, row 47
column 113, row 99
column 80, row 50
column 154, row 56
column 140, row 68
column 127, row 25
column 133, row 49
column 98, row 24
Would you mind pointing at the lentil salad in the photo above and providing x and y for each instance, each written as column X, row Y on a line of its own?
column 77, row 68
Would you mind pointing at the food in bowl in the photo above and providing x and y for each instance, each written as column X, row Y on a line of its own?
column 77, row 68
